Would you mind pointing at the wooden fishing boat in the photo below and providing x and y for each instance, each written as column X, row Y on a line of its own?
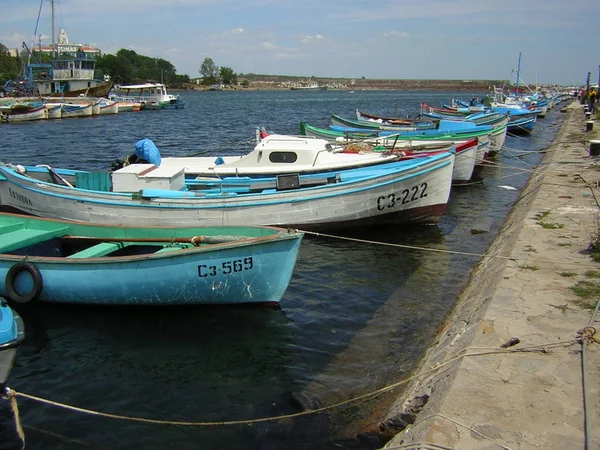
column 73, row 109
column 65, row 262
column 273, row 155
column 401, row 192
column 497, row 134
column 149, row 96
column 361, row 115
column 54, row 111
column 12, row 333
column 23, row 113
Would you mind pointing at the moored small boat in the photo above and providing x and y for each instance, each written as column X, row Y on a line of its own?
column 23, row 113
column 43, row 260
column 395, row 193
column 12, row 333
column 54, row 111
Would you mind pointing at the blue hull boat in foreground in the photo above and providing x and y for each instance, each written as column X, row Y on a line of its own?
column 12, row 333
column 65, row 262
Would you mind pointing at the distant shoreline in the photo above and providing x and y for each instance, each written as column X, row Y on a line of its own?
column 281, row 83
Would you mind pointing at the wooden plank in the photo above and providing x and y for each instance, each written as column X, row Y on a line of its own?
column 26, row 237
column 98, row 250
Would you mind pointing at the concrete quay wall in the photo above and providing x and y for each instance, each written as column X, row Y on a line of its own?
column 506, row 368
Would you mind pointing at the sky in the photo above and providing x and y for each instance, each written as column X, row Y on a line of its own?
column 559, row 40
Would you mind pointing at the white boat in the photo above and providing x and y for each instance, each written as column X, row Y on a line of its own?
column 149, row 95
column 108, row 106
column 23, row 113
column 402, row 192
column 276, row 155
column 73, row 109
column 12, row 333
column 54, row 111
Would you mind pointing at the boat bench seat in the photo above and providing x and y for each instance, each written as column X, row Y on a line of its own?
column 173, row 248
column 98, row 250
column 25, row 237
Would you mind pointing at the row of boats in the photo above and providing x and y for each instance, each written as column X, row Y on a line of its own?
column 287, row 182
column 219, row 229
column 148, row 96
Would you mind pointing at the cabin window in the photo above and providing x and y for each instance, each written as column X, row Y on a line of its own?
column 283, row 157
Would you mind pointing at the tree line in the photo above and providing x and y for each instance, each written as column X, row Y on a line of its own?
column 124, row 67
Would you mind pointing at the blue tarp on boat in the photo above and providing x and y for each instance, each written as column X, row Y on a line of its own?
column 146, row 149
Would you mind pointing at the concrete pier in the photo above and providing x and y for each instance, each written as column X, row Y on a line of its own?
column 515, row 367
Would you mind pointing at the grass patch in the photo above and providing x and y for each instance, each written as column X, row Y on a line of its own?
column 586, row 289
column 567, row 274
column 550, row 226
column 541, row 215
column 595, row 248
column 564, row 244
column 527, row 267
column 592, row 274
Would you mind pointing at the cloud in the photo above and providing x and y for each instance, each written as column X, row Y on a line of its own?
column 311, row 39
column 399, row 34
column 267, row 46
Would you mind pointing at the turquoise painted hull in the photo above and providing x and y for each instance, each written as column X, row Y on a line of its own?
column 253, row 269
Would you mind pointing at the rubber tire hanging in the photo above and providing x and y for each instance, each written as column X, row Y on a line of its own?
column 36, row 276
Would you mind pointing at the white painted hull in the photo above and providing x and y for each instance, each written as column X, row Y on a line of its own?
column 54, row 112
column 37, row 114
column 391, row 196
column 111, row 108
column 464, row 164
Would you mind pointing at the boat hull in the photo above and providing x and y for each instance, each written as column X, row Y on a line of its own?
column 414, row 191
column 44, row 260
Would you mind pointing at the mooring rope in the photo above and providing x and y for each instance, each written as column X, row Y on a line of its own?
column 439, row 250
column 539, row 348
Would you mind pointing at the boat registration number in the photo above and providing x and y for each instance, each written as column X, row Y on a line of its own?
column 226, row 267
column 406, row 196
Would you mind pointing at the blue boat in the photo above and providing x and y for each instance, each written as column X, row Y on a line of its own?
column 56, row 261
column 521, row 125
column 12, row 333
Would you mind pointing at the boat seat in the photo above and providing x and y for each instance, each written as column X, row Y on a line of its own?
column 98, row 250
column 174, row 248
column 25, row 237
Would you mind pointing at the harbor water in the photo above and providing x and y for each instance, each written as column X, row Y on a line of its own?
column 357, row 316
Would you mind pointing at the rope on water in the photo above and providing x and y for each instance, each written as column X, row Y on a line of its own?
column 14, row 407
column 540, row 348
column 439, row 250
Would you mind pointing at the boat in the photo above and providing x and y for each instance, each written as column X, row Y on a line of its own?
column 273, row 155
column 361, row 115
column 497, row 134
column 54, row 111
column 12, row 333
column 64, row 68
column 403, row 192
column 22, row 112
column 308, row 87
column 107, row 106
column 72, row 109
column 522, row 125
column 148, row 95
column 55, row 261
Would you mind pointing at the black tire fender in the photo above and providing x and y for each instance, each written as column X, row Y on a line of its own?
column 36, row 276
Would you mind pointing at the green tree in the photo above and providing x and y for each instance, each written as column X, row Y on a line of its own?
column 9, row 65
column 228, row 76
column 209, row 71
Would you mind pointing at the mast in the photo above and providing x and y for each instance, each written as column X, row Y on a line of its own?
column 518, row 73
column 53, row 44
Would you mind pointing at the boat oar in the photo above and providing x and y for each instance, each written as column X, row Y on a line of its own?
column 195, row 240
